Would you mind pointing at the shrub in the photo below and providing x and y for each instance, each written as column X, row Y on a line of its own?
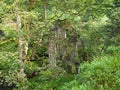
column 101, row 74
column 8, row 68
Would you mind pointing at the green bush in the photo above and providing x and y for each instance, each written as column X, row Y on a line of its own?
column 101, row 74
column 48, row 79
column 8, row 68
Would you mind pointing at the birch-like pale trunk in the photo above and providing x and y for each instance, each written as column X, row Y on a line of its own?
column 21, row 74
column 26, row 44
column 20, row 44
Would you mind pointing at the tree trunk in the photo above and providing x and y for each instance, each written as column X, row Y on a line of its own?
column 21, row 74
column 52, row 52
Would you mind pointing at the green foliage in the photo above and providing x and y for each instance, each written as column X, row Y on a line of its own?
column 30, row 67
column 96, row 23
column 48, row 79
column 101, row 74
column 8, row 68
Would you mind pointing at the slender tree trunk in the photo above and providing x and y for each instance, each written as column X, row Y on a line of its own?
column 21, row 74
column 26, row 44
column 20, row 44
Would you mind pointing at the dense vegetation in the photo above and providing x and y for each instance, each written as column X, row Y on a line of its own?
column 59, row 44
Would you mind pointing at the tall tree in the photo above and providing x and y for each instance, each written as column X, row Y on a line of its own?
column 21, row 74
